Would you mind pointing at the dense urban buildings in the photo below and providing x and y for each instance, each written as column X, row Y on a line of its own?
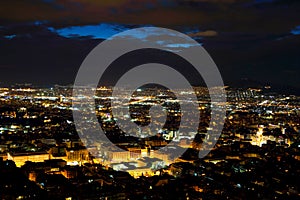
column 43, row 156
column 149, row 143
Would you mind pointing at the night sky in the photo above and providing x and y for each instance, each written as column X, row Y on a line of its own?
column 252, row 41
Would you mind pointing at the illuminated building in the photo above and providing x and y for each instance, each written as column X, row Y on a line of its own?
column 21, row 158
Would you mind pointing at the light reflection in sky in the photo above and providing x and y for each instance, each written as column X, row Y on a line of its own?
column 296, row 31
column 99, row 31
column 106, row 30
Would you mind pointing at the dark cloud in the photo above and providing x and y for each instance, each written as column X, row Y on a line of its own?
column 208, row 33
column 257, row 39
column 223, row 13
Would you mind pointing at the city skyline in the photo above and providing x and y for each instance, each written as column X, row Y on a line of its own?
column 43, row 155
column 149, row 99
